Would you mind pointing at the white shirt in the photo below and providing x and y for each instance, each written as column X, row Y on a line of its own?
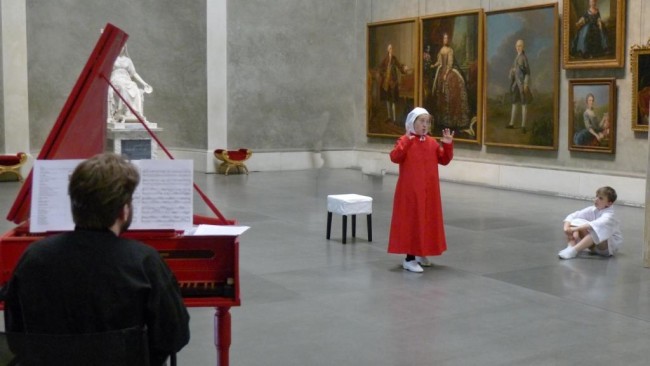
column 604, row 225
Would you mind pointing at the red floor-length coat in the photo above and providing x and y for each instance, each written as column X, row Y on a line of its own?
column 417, row 226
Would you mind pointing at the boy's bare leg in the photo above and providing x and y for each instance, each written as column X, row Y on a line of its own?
column 574, row 238
column 584, row 243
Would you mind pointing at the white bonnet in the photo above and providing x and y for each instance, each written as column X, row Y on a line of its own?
column 412, row 116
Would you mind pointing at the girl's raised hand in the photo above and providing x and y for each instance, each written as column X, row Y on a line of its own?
column 447, row 136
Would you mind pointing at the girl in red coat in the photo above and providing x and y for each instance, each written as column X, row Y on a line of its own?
column 417, row 228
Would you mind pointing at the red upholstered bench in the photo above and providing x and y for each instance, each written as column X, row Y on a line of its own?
column 232, row 159
column 10, row 164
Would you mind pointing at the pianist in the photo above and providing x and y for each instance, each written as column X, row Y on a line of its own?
column 90, row 280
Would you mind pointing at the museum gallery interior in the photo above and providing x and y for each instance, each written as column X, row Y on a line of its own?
column 284, row 114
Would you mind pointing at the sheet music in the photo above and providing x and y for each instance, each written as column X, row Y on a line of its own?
column 162, row 200
column 50, row 209
column 164, row 196
column 217, row 230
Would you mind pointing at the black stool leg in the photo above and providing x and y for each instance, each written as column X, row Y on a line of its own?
column 369, row 217
column 345, row 227
column 354, row 226
column 329, row 224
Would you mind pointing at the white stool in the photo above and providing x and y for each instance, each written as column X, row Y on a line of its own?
column 349, row 204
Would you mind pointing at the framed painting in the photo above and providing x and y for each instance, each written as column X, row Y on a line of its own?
column 592, row 115
column 593, row 33
column 521, row 77
column 640, row 65
column 451, row 73
column 392, row 82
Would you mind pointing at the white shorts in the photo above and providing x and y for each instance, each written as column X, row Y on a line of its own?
column 601, row 252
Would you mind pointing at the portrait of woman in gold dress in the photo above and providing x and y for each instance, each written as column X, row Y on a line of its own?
column 449, row 92
column 451, row 73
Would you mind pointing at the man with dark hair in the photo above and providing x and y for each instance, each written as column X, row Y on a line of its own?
column 91, row 280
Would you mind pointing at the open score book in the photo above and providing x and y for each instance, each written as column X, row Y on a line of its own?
column 162, row 200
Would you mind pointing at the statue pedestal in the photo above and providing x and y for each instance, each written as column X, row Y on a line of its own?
column 134, row 125
column 132, row 141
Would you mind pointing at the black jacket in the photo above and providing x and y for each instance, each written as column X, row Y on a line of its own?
column 93, row 281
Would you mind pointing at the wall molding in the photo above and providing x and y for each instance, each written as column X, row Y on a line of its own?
column 540, row 180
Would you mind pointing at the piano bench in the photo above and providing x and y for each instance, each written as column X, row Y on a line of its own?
column 10, row 166
column 349, row 204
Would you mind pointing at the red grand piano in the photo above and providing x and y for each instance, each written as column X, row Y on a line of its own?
column 207, row 267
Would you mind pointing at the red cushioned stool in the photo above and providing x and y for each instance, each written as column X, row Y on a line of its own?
column 11, row 164
column 232, row 159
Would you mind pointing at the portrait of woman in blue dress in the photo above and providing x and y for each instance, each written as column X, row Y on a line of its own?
column 596, row 129
column 591, row 38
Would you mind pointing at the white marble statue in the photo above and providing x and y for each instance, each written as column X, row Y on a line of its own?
column 131, row 86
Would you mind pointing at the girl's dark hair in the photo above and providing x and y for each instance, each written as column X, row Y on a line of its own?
column 99, row 188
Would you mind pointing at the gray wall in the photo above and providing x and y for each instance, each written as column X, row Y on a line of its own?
column 167, row 43
column 292, row 74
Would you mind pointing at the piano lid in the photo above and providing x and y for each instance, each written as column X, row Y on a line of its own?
column 80, row 130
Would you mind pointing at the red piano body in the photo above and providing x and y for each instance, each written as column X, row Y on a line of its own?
column 207, row 267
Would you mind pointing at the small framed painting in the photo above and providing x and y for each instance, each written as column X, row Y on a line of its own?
column 592, row 115
column 593, row 33
column 640, row 65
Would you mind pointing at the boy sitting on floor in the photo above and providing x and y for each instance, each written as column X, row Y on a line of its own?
column 595, row 227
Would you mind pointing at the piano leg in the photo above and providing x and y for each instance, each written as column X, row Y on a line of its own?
column 222, row 332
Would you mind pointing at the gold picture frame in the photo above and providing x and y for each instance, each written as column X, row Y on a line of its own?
column 392, row 81
column 521, row 85
column 451, row 73
column 592, row 115
column 593, row 37
column 640, row 68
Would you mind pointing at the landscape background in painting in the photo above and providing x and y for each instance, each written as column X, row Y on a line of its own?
column 537, row 26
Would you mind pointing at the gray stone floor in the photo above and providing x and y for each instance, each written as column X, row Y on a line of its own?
column 498, row 296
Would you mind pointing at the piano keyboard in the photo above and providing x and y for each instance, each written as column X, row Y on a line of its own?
column 207, row 288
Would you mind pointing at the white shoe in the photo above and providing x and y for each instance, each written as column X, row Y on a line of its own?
column 567, row 253
column 412, row 266
column 424, row 261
